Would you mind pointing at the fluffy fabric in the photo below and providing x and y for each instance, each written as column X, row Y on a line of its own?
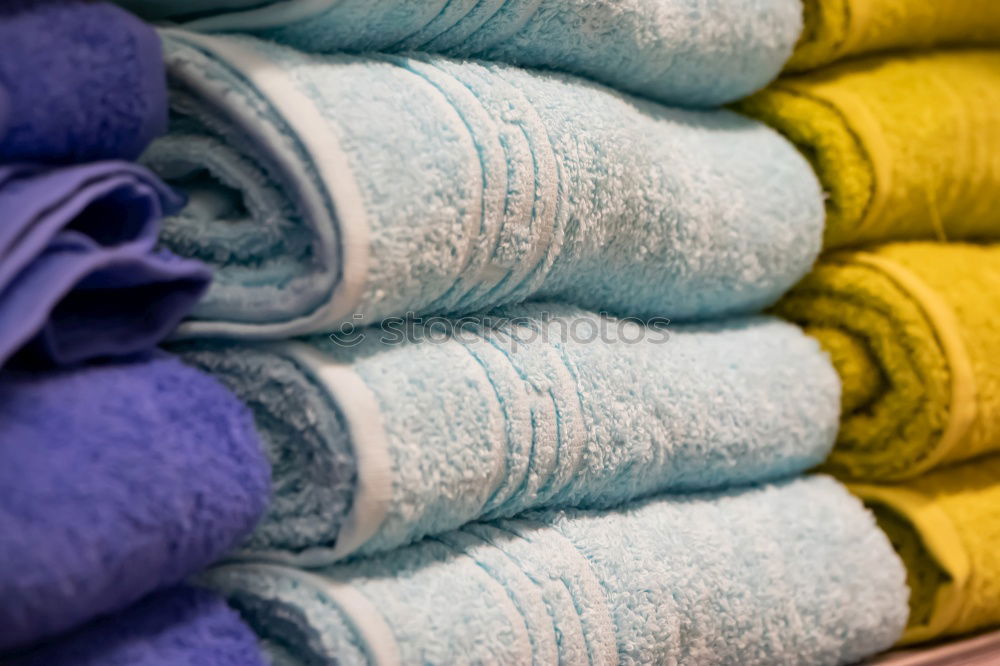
column 946, row 527
column 115, row 481
column 682, row 52
column 905, row 146
column 79, row 81
column 541, row 405
column 183, row 626
column 836, row 29
column 913, row 331
column 792, row 573
column 80, row 276
column 319, row 196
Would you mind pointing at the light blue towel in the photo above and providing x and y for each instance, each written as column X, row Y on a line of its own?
column 682, row 52
column 795, row 573
column 324, row 187
column 381, row 443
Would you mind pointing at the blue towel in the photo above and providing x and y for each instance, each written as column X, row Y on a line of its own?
column 682, row 52
column 324, row 187
column 795, row 573
column 116, row 480
column 182, row 626
column 80, row 275
column 377, row 441
column 79, row 81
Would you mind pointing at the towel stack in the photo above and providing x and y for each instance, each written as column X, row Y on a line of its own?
column 905, row 137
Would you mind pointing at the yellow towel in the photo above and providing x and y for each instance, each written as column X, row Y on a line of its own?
column 907, row 147
column 835, row 29
column 913, row 329
column 946, row 528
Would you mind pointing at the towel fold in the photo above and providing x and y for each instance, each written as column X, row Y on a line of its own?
column 906, row 146
column 836, row 29
column 401, row 432
column 913, row 332
column 80, row 275
column 79, row 82
column 183, row 626
column 791, row 573
column 946, row 528
column 682, row 52
column 114, row 481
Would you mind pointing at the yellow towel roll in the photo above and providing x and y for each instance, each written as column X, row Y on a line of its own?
column 913, row 329
column 946, row 528
column 907, row 147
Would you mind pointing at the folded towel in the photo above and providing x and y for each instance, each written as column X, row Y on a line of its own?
column 183, row 626
column 836, row 29
column 792, row 573
column 79, row 81
column 319, row 196
column 79, row 273
column 914, row 332
column 906, row 146
column 946, row 527
column 379, row 440
column 114, row 481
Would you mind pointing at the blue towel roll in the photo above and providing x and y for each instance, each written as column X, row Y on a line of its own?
column 795, row 573
column 377, row 441
column 328, row 187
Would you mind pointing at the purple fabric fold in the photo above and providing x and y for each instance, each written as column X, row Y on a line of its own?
column 116, row 480
column 79, row 82
column 80, row 275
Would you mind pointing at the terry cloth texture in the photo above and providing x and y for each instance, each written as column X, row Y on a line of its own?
column 946, row 527
column 318, row 196
column 791, row 573
column 907, row 147
column 380, row 443
column 836, row 29
column 681, row 52
column 183, row 626
column 914, row 333
column 80, row 275
column 79, row 82
column 116, row 480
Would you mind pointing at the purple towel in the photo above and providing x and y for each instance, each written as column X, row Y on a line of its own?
column 79, row 82
column 116, row 480
column 183, row 626
column 80, row 277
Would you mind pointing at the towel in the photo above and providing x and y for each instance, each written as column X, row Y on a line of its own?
column 416, row 428
column 116, row 480
column 836, row 29
column 182, row 626
column 79, row 82
column 318, row 196
column 682, row 52
column 790, row 573
column 906, row 146
column 80, row 275
column 913, row 331
column 946, row 528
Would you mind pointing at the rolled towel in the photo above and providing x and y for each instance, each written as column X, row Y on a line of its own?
column 836, row 29
column 791, row 573
column 182, row 626
column 912, row 330
column 115, row 481
column 402, row 432
column 946, row 528
column 683, row 52
column 906, row 146
column 318, row 196
column 79, row 82
column 80, row 275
